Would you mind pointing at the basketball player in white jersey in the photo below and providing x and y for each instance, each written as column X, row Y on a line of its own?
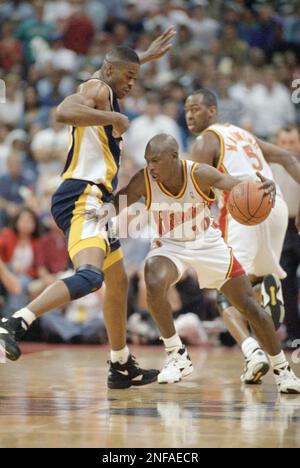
column 178, row 194
column 234, row 151
column 90, row 177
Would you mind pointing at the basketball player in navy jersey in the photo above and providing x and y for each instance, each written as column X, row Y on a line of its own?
column 177, row 194
column 90, row 177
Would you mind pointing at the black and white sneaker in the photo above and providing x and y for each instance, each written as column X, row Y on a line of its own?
column 178, row 365
column 272, row 299
column 256, row 366
column 9, row 328
column 129, row 374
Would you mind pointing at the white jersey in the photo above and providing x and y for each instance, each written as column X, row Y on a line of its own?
column 258, row 248
column 186, row 234
column 183, row 217
column 240, row 154
column 94, row 154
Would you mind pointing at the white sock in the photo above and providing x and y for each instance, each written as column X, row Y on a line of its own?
column 248, row 346
column 279, row 361
column 26, row 315
column 120, row 356
column 172, row 343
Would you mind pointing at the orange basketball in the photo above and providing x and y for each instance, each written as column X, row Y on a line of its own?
column 248, row 204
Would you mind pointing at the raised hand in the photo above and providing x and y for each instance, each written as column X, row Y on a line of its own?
column 159, row 47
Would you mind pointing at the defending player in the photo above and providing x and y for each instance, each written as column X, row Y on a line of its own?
column 90, row 177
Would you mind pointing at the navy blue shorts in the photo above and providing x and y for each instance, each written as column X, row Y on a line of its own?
column 68, row 203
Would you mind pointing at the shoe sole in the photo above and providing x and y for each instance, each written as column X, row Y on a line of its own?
column 290, row 391
column 259, row 372
column 184, row 373
column 124, row 385
column 275, row 310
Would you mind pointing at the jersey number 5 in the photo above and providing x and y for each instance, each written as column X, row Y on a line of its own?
column 255, row 160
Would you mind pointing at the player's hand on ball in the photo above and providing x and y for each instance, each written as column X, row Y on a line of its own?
column 268, row 186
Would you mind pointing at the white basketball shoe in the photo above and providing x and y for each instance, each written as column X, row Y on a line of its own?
column 286, row 380
column 178, row 365
column 256, row 366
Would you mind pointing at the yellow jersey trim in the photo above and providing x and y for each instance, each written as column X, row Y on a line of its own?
column 222, row 145
column 202, row 194
column 76, row 140
column 231, row 264
column 148, row 189
column 111, row 167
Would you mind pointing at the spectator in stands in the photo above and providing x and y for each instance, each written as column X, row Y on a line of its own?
column 18, row 248
column 78, row 29
column 11, row 52
column 12, row 187
column 33, row 113
column 49, row 147
column 271, row 107
column 33, row 28
column 289, row 139
column 51, row 258
column 9, row 284
column 151, row 122
column 11, row 110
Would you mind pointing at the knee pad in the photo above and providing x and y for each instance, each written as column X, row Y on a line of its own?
column 222, row 303
column 86, row 280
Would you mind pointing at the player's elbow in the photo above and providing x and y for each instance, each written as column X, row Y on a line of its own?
column 61, row 114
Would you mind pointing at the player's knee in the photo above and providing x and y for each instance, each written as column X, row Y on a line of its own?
column 86, row 280
column 156, row 281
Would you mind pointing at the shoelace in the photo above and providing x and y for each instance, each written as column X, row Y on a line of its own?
column 171, row 358
column 286, row 372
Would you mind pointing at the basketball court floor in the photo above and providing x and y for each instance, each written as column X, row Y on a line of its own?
column 56, row 396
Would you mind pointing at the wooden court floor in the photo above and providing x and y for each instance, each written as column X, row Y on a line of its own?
column 57, row 397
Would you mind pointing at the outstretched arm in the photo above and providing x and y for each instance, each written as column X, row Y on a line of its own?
column 208, row 177
column 90, row 106
column 135, row 189
column 274, row 154
column 128, row 195
column 159, row 47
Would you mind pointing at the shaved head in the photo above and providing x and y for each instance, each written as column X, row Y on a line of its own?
column 162, row 143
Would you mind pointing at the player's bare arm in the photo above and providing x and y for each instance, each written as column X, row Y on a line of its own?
column 274, row 154
column 90, row 106
column 206, row 149
column 208, row 177
column 159, row 47
column 135, row 190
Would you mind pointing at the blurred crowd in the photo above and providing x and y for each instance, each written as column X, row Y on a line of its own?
column 248, row 52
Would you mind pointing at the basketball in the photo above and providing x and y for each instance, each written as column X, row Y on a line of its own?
column 248, row 204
